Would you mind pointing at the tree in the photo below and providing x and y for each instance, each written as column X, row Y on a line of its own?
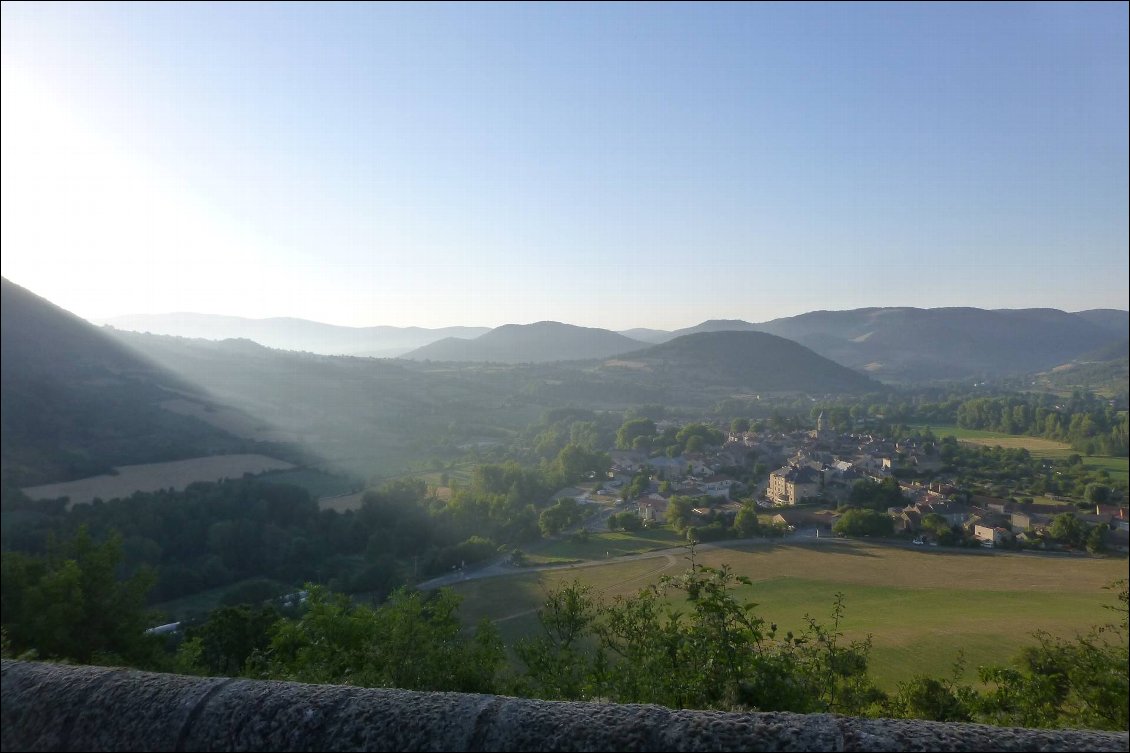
column 1096, row 539
column 746, row 522
column 633, row 429
column 696, row 437
column 556, row 665
column 859, row 522
column 877, row 495
column 414, row 641
column 939, row 528
column 574, row 461
column 71, row 605
column 1096, row 493
column 680, row 512
column 1059, row 683
column 1067, row 529
column 943, row 700
column 718, row 653
column 641, row 482
column 224, row 643
column 560, row 515
column 626, row 521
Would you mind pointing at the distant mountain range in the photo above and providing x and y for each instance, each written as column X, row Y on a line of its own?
column 891, row 344
column 293, row 334
column 900, row 344
column 542, row 342
column 913, row 344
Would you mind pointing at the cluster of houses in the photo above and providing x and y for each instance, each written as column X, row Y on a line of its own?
column 996, row 522
column 824, row 465
column 695, row 475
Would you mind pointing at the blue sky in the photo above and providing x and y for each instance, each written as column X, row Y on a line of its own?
column 635, row 165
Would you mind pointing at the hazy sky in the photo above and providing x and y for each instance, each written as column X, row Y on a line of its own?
column 605, row 165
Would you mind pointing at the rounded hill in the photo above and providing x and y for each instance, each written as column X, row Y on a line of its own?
column 753, row 361
column 542, row 342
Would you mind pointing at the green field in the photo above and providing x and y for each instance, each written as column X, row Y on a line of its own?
column 605, row 545
column 318, row 483
column 1118, row 468
column 459, row 472
column 198, row 604
column 920, row 605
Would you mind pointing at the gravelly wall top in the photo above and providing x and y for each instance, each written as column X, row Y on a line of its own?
column 59, row 707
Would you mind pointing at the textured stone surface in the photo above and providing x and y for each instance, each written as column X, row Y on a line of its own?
column 59, row 707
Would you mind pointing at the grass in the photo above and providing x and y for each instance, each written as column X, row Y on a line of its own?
column 1038, row 446
column 198, row 604
column 459, row 472
column 1118, row 468
column 605, row 545
column 1043, row 499
column 921, row 606
column 342, row 503
column 318, row 483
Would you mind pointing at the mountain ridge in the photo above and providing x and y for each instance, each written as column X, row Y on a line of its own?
column 291, row 333
column 747, row 361
column 540, row 342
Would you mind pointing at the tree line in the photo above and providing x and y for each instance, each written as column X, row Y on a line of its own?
column 217, row 534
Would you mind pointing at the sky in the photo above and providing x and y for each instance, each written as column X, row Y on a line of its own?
column 607, row 165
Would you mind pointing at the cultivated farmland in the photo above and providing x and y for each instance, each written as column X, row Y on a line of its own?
column 150, row 477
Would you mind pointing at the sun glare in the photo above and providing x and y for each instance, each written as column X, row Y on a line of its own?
column 83, row 222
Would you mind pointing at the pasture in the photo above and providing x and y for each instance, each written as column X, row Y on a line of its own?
column 604, row 545
column 920, row 605
column 150, row 477
column 1118, row 468
column 200, row 604
column 342, row 502
column 319, row 483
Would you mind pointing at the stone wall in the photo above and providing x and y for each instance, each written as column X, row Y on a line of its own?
column 59, row 707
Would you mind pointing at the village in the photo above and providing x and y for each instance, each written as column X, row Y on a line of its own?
column 811, row 484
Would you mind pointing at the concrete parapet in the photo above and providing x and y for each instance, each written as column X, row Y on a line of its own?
column 65, row 708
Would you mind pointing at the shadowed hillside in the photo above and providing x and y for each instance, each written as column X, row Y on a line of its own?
column 365, row 415
column 741, row 361
column 1114, row 320
column 907, row 344
column 75, row 402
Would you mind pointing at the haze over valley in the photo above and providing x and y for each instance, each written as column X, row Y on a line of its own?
column 379, row 415
column 750, row 357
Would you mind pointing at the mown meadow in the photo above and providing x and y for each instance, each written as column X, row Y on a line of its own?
column 922, row 606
